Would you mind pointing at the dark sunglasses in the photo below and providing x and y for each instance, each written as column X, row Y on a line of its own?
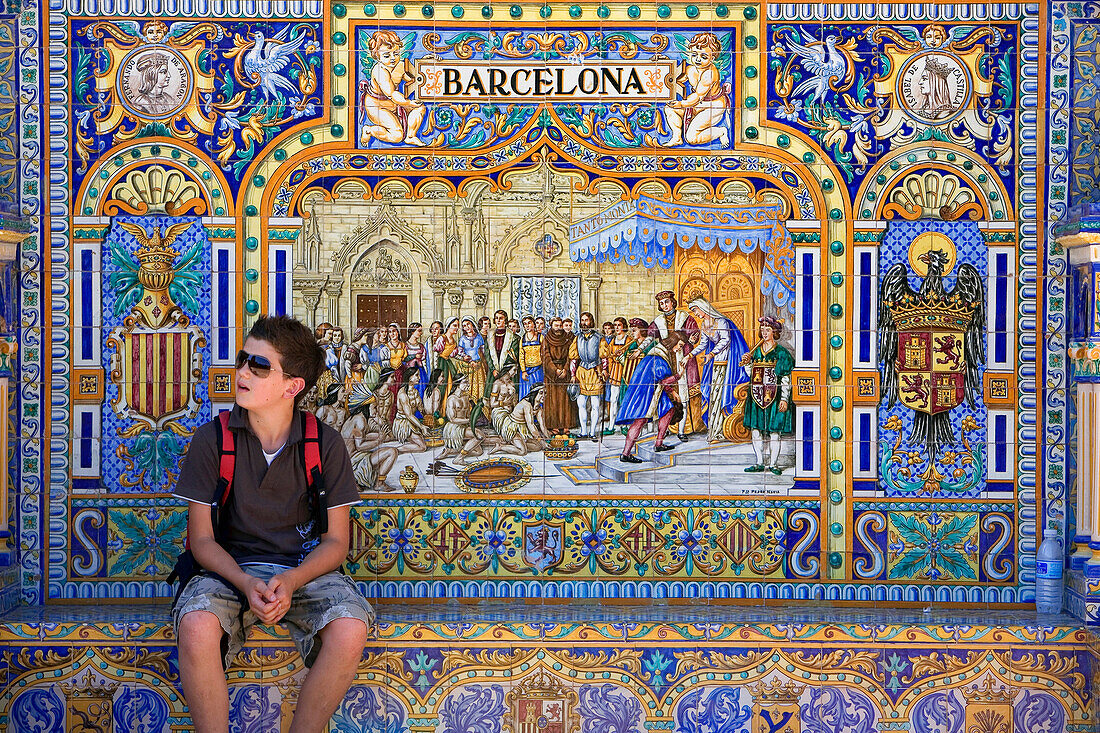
column 258, row 365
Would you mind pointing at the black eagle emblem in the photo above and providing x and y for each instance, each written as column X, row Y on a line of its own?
column 931, row 346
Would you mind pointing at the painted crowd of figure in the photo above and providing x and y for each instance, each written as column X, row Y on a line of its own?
column 498, row 384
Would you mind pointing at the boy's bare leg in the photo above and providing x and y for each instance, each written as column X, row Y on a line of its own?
column 332, row 673
column 204, row 685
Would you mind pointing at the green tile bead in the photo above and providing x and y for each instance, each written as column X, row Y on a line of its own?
column 808, row 158
column 837, row 247
column 546, row 11
column 784, row 141
column 836, row 310
column 836, row 433
column 836, row 278
column 750, row 42
column 251, row 275
column 835, row 372
column 154, row 149
column 515, row 11
column 749, row 13
column 752, row 133
column 339, row 10
column 750, row 102
column 369, row 9
column 836, row 341
column 251, row 243
column 258, row 181
column 337, row 130
column 93, row 192
column 339, row 69
column 663, row 11
column 306, row 138
column 251, row 210
column 88, row 211
column 175, row 154
column 339, row 38
column 827, row 185
column 836, row 560
column 836, row 214
column 339, row 101
column 251, row 307
column 633, row 12
column 692, row 11
column 574, row 11
column 835, row 496
column 836, row 528
column 399, row 10
column 837, row 403
column 216, row 193
column 750, row 72
column 486, row 11
column 457, row 11
column 219, row 211
column 932, row 155
column 135, row 153
column 721, row 11
column 603, row 11
column 427, row 10
column 206, row 176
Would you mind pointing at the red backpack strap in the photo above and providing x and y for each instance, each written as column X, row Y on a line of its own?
column 311, row 461
column 227, row 462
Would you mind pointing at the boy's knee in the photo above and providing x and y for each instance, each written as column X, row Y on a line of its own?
column 199, row 631
column 346, row 633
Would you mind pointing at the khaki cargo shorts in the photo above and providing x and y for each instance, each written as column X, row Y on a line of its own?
column 313, row 606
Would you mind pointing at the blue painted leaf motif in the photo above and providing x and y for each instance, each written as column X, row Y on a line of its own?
column 252, row 709
column 38, row 710
column 911, row 563
column 719, row 711
column 939, row 712
column 370, row 710
column 139, row 710
column 1039, row 711
column 606, row 709
column 832, row 709
column 473, row 709
column 958, row 529
column 912, row 529
column 953, row 562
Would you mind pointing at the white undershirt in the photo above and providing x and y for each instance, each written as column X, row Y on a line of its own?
column 271, row 456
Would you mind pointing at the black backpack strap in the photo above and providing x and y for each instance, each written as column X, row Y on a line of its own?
column 310, row 454
column 227, row 463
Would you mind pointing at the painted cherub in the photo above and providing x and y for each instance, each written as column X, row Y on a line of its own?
column 698, row 118
column 390, row 115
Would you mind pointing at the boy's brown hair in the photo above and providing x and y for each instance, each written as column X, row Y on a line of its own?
column 299, row 352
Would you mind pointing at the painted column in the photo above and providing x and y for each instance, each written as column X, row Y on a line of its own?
column 1082, row 242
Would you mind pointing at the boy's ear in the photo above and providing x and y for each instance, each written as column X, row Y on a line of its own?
column 297, row 386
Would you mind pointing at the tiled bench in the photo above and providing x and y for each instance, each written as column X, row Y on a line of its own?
column 523, row 668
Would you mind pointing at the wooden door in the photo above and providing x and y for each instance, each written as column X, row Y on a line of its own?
column 381, row 310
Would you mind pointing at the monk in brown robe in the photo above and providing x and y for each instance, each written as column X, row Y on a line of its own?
column 558, row 412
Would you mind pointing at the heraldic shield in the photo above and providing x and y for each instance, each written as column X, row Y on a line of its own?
column 542, row 544
column 931, row 368
column 763, row 384
column 156, row 370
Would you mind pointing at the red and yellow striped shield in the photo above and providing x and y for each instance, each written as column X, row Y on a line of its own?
column 156, row 368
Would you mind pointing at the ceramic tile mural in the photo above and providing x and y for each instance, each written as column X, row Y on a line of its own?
column 814, row 264
column 474, row 674
column 862, row 181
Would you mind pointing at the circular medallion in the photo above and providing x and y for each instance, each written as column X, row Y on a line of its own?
column 154, row 83
column 498, row 475
column 927, row 241
column 934, row 87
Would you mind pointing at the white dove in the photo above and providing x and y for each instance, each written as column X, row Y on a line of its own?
column 824, row 62
column 263, row 66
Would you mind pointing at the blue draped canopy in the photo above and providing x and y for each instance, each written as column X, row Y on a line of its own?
column 647, row 231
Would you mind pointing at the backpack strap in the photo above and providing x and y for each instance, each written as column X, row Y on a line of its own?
column 311, row 460
column 227, row 463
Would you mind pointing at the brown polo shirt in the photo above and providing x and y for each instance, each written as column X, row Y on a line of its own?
column 268, row 510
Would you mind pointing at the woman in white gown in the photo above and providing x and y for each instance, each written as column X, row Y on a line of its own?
column 722, row 346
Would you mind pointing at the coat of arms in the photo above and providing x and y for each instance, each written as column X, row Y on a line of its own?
column 931, row 342
column 542, row 704
column 763, row 384
column 157, row 360
column 775, row 707
column 542, row 544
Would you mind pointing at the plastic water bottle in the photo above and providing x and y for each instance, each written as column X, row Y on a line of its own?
column 1048, row 576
